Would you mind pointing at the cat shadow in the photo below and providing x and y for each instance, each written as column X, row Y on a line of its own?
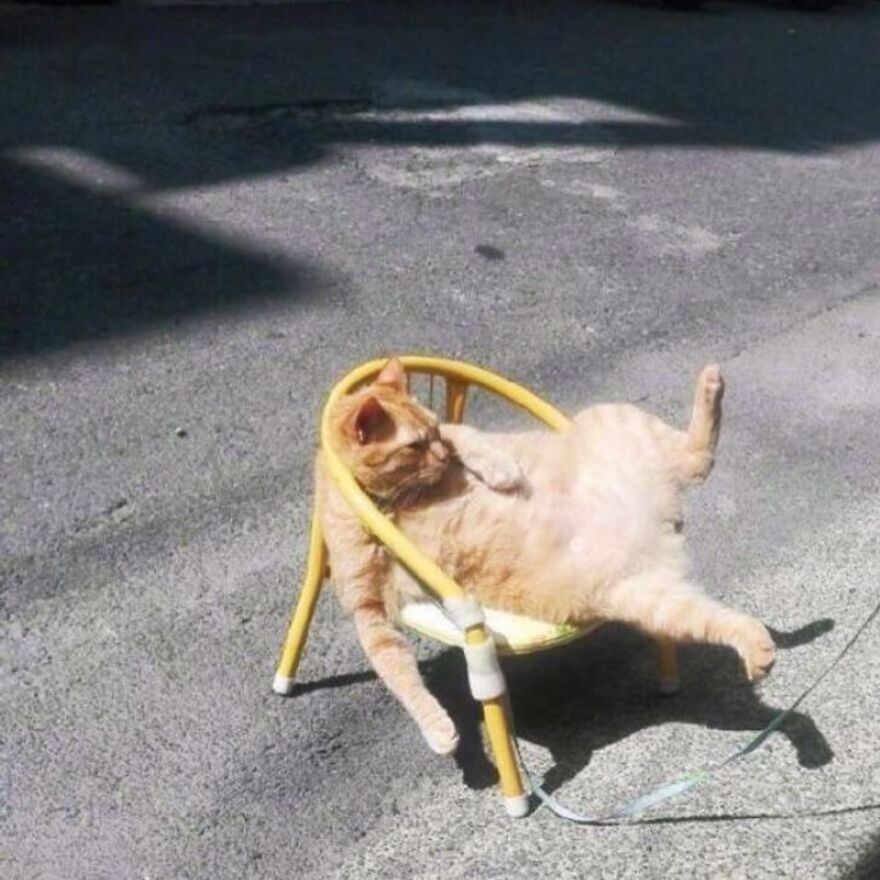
column 576, row 700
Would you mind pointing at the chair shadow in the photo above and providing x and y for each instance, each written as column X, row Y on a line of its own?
column 613, row 676
column 332, row 682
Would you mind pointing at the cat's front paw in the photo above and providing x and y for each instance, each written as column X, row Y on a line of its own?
column 756, row 647
column 498, row 472
column 441, row 735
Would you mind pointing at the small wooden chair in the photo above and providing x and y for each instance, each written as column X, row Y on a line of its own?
column 454, row 618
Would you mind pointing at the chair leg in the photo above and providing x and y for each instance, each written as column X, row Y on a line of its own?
column 669, row 681
column 498, row 727
column 305, row 609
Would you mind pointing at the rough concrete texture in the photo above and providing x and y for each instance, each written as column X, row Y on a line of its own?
column 210, row 214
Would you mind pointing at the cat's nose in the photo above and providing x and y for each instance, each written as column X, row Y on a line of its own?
column 439, row 450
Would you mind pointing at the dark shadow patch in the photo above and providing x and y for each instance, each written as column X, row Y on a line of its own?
column 313, row 110
column 84, row 266
column 868, row 865
column 489, row 252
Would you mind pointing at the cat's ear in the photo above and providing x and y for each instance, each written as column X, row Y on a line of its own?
column 370, row 419
column 393, row 375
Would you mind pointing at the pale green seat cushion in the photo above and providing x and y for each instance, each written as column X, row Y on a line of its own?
column 513, row 633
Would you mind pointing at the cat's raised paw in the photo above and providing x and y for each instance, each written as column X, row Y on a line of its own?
column 755, row 645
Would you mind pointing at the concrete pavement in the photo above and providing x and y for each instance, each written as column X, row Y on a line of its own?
column 210, row 214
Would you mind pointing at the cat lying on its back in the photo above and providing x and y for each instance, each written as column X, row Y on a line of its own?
column 565, row 527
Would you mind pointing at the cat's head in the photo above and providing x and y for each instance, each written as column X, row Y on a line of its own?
column 389, row 442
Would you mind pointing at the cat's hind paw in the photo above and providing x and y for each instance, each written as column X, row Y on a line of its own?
column 710, row 386
column 755, row 646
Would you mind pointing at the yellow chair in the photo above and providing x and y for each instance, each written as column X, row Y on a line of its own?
column 479, row 632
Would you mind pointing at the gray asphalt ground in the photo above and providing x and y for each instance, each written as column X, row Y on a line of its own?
column 208, row 215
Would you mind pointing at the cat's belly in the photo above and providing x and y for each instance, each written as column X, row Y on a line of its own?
column 545, row 553
column 601, row 526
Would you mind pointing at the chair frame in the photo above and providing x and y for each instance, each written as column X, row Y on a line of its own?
column 458, row 376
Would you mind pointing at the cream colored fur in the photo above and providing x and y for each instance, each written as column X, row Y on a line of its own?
column 563, row 527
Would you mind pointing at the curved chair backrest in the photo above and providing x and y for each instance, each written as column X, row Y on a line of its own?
column 459, row 375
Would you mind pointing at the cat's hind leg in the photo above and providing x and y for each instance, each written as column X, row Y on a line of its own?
column 666, row 606
column 698, row 453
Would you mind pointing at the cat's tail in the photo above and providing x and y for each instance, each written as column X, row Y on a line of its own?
column 393, row 659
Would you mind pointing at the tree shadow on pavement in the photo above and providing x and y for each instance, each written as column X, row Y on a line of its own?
column 190, row 97
column 183, row 99
column 84, row 266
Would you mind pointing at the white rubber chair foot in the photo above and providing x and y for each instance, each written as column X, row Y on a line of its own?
column 670, row 686
column 518, row 806
column 283, row 685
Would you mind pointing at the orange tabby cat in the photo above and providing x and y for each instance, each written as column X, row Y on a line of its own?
column 564, row 527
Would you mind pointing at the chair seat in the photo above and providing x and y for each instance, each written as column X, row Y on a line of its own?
column 513, row 633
